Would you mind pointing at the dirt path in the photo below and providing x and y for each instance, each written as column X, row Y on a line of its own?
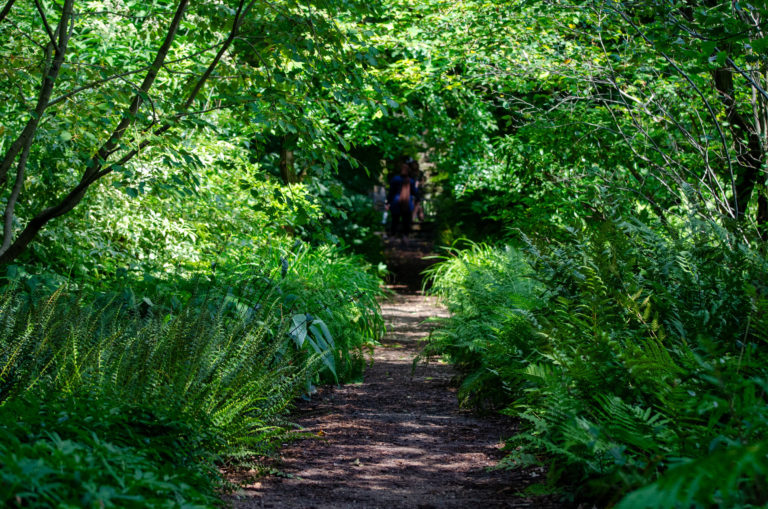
column 396, row 440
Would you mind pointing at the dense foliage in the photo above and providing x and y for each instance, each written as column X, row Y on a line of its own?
column 619, row 146
column 172, row 283
column 184, row 184
column 88, row 451
column 194, row 377
column 630, row 374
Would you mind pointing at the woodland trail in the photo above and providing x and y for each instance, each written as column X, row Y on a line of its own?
column 398, row 439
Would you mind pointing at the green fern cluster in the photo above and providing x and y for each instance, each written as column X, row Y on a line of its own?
column 336, row 294
column 490, row 295
column 233, row 370
column 96, row 451
column 230, row 357
column 644, row 367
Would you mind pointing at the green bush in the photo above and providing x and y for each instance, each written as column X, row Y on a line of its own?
column 220, row 363
column 222, row 355
column 490, row 294
column 644, row 365
column 94, row 451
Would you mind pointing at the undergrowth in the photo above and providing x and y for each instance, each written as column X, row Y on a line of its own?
column 95, row 451
column 106, row 398
column 490, row 295
column 636, row 359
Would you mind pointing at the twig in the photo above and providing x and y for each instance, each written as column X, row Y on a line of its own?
column 45, row 22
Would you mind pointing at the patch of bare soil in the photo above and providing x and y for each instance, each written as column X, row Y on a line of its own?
column 396, row 440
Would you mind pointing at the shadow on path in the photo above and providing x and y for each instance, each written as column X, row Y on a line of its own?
column 396, row 440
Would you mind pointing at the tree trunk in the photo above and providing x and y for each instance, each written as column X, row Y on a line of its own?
column 50, row 73
column 11, row 250
column 750, row 154
column 6, row 9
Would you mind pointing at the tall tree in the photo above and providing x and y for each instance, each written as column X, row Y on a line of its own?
column 258, row 60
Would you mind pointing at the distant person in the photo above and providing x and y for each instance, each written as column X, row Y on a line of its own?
column 418, row 196
column 400, row 199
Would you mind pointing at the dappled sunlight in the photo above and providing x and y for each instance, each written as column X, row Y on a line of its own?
column 217, row 214
column 397, row 439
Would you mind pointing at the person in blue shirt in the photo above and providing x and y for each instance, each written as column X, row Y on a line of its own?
column 401, row 199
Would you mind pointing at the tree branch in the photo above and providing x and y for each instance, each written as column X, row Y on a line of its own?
column 46, row 89
column 96, row 168
column 6, row 9
column 12, row 250
column 239, row 17
column 129, row 116
column 746, row 75
column 10, row 207
column 24, row 142
column 96, row 83
column 26, row 35
column 45, row 22
column 693, row 85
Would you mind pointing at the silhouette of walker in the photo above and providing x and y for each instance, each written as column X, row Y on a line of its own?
column 401, row 199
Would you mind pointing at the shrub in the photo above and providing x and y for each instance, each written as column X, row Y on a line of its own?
column 490, row 294
column 95, row 451
column 644, row 366
column 155, row 389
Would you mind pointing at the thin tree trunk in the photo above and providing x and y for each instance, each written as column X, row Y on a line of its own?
column 25, row 140
column 6, row 9
column 287, row 169
column 129, row 117
column 49, row 78
column 96, row 167
column 750, row 153
column 11, row 251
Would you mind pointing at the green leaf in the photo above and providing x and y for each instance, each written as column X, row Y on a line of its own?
column 326, row 355
column 326, row 333
column 722, row 56
column 298, row 330
column 707, row 48
column 759, row 45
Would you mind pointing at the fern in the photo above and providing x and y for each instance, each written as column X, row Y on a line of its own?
column 225, row 355
column 623, row 349
column 734, row 477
